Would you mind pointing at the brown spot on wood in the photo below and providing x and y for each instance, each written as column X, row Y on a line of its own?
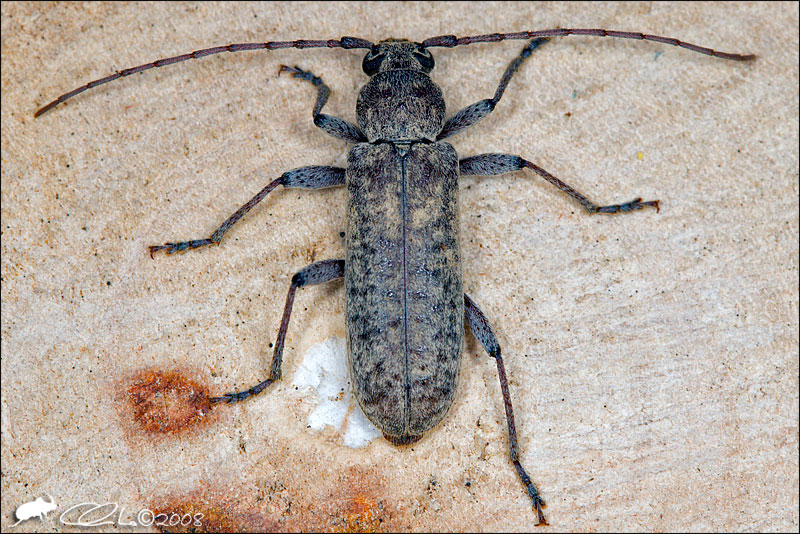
column 350, row 501
column 167, row 402
column 212, row 510
column 356, row 504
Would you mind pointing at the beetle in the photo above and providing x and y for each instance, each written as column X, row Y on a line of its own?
column 405, row 305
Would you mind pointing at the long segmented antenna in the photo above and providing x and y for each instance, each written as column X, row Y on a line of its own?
column 344, row 42
column 447, row 41
column 450, row 41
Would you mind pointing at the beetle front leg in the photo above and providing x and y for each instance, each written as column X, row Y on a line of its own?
column 316, row 273
column 314, row 177
column 492, row 164
column 475, row 112
column 333, row 126
column 482, row 331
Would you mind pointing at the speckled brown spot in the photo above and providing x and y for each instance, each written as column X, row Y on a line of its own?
column 212, row 510
column 356, row 505
column 348, row 501
column 167, row 402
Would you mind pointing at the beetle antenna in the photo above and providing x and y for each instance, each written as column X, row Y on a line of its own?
column 450, row 41
column 344, row 42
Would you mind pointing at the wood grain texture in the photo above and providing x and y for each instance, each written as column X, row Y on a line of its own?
column 652, row 358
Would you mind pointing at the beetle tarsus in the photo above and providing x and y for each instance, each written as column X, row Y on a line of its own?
column 231, row 398
column 172, row 248
column 633, row 205
column 537, row 504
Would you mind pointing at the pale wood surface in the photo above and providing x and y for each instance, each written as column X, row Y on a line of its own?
column 653, row 357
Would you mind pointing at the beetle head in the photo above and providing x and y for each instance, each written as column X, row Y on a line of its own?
column 397, row 54
column 400, row 102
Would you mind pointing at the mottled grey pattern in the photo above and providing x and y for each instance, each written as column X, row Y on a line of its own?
column 400, row 105
column 405, row 307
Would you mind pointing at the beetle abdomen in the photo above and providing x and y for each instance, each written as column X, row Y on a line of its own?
column 405, row 303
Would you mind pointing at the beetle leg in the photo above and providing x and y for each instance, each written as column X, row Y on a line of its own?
column 482, row 331
column 491, row 164
column 314, row 177
column 316, row 273
column 475, row 112
column 329, row 124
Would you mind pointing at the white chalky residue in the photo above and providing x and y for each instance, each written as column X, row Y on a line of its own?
column 324, row 370
column 360, row 431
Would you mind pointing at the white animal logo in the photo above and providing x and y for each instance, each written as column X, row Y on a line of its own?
column 38, row 508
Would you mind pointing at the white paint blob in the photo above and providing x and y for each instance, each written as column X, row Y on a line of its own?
column 324, row 371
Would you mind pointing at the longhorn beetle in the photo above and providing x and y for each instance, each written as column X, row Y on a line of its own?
column 405, row 305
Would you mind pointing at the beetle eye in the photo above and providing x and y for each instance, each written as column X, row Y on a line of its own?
column 425, row 59
column 372, row 62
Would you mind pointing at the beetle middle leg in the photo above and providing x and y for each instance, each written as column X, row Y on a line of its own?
column 313, row 177
column 316, row 273
column 491, row 164
column 482, row 331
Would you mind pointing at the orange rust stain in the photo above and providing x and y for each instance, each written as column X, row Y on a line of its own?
column 356, row 505
column 361, row 513
column 348, row 501
column 167, row 402
column 207, row 510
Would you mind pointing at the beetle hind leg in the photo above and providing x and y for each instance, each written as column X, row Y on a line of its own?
column 482, row 331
